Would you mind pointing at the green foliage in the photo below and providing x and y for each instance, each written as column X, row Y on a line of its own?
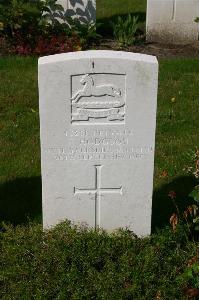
column 195, row 194
column 85, row 31
column 56, row 16
column 190, row 216
column 20, row 16
column 190, row 275
column 25, row 23
column 124, row 30
column 197, row 20
column 108, row 12
column 70, row 262
column 194, row 212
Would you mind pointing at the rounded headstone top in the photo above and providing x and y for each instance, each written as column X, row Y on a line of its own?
column 92, row 54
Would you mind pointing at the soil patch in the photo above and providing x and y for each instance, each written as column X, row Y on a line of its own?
column 157, row 49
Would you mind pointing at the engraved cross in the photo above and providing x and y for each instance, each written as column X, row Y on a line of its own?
column 98, row 191
column 174, row 10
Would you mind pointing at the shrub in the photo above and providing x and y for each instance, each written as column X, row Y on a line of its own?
column 58, row 44
column 63, row 22
column 124, row 30
column 21, row 18
column 70, row 262
column 41, row 27
column 190, row 215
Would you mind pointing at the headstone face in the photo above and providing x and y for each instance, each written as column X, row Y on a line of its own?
column 172, row 21
column 97, row 118
column 84, row 10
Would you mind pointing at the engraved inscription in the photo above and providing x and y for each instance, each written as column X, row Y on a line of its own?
column 99, row 144
column 100, row 153
column 98, row 98
column 98, row 191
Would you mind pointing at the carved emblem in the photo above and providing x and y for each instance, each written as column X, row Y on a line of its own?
column 97, row 98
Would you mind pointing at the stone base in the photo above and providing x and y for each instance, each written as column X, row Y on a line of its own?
column 172, row 21
column 172, row 33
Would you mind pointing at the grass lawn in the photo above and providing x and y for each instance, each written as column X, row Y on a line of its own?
column 108, row 10
column 176, row 138
column 77, row 264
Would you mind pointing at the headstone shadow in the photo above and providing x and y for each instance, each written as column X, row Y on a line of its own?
column 20, row 200
column 163, row 206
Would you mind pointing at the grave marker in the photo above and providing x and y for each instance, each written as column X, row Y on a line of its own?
column 172, row 21
column 97, row 119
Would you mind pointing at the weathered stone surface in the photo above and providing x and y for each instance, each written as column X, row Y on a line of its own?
column 172, row 21
column 97, row 118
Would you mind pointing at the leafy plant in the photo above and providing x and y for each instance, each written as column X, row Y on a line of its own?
column 67, row 22
column 56, row 45
column 191, row 213
column 42, row 27
column 85, row 31
column 124, row 30
column 56, row 18
column 21, row 16
column 195, row 193
column 190, row 276
column 41, row 264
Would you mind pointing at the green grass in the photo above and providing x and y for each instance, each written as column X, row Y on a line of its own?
column 176, row 138
column 75, row 263
column 108, row 10
column 177, row 134
column 20, row 191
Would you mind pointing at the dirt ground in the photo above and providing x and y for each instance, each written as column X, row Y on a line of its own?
column 159, row 50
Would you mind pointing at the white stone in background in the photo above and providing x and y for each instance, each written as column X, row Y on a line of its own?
column 84, row 9
column 63, row 3
column 97, row 118
column 172, row 21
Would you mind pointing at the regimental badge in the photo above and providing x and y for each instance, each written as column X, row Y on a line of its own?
column 98, row 98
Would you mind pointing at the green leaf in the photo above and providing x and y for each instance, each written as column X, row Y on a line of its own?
column 195, row 194
column 189, row 273
column 196, row 220
column 196, row 228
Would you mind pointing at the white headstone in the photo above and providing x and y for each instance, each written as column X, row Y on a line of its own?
column 172, row 21
column 98, row 116
column 85, row 10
